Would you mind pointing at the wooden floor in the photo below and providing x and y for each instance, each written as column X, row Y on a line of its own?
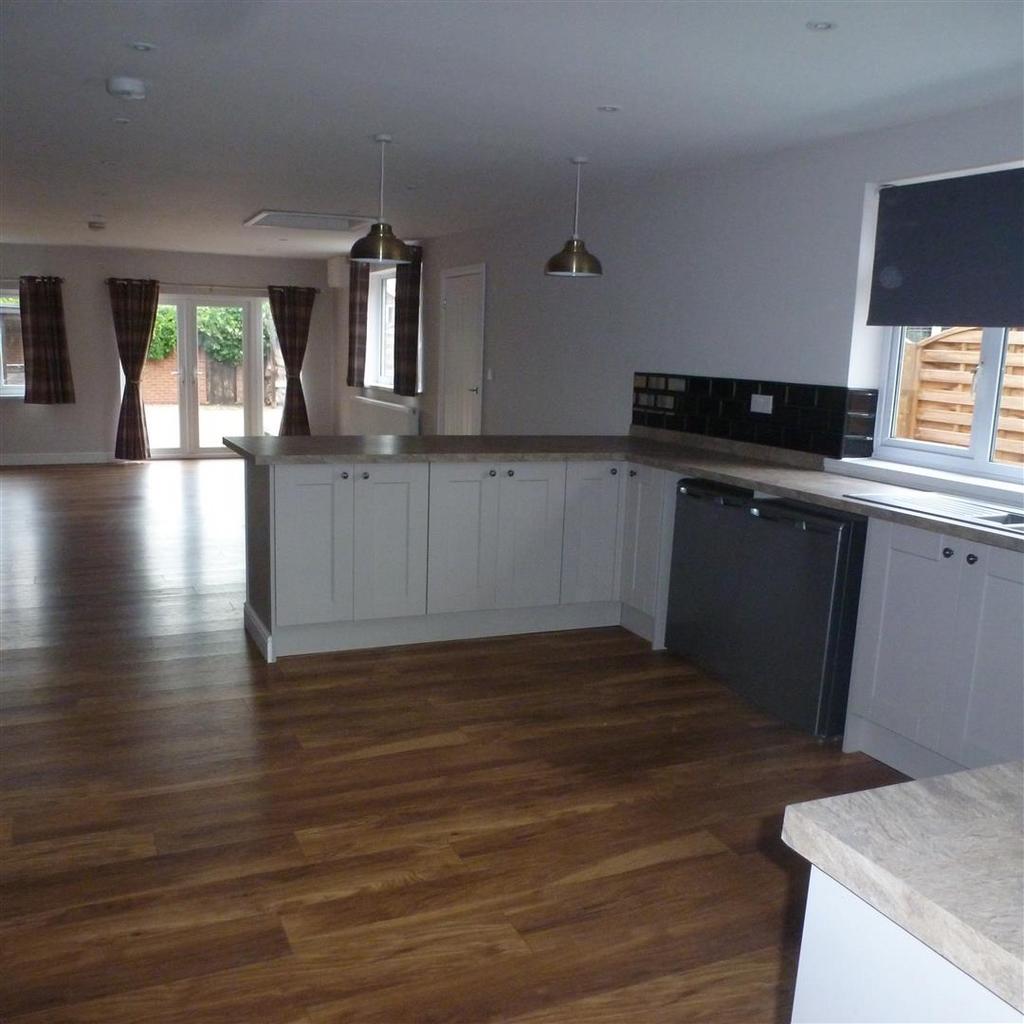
column 551, row 829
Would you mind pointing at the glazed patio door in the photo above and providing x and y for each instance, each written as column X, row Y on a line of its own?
column 214, row 370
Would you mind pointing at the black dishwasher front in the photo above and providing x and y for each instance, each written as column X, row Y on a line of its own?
column 763, row 594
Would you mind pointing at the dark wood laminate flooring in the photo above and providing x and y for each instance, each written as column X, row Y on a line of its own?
column 548, row 829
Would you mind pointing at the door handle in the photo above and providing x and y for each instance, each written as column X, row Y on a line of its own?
column 476, row 391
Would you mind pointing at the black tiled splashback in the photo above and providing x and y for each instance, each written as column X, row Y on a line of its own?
column 822, row 419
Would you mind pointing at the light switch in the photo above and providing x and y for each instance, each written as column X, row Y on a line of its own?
column 761, row 403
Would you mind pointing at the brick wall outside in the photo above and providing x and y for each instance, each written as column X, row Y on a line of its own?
column 160, row 384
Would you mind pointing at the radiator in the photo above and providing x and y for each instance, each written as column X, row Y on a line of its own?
column 373, row 416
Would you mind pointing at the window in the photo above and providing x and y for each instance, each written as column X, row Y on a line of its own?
column 955, row 400
column 380, row 330
column 12, row 353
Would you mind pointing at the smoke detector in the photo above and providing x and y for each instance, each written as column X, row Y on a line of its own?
column 125, row 88
column 96, row 224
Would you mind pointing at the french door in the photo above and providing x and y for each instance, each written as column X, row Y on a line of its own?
column 214, row 370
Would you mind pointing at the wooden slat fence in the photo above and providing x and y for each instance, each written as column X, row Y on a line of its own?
column 936, row 400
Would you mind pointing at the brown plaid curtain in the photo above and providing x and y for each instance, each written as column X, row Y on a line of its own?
column 358, row 298
column 133, row 304
column 291, row 308
column 407, row 322
column 48, row 378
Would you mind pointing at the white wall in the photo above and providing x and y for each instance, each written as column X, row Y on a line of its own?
column 748, row 269
column 87, row 428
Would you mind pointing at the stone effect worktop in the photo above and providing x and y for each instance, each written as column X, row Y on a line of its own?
column 810, row 485
column 942, row 858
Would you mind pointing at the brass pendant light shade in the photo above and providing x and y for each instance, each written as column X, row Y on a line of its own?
column 380, row 245
column 573, row 260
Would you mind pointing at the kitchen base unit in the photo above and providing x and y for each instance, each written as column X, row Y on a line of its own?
column 347, row 555
column 938, row 666
column 857, row 966
column 915, row 910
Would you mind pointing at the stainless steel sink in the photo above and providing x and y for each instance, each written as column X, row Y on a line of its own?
column 948, row 506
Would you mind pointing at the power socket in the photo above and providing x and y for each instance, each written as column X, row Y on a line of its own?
column 761, row 403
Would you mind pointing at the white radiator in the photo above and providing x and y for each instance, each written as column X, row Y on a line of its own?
column 373, row 416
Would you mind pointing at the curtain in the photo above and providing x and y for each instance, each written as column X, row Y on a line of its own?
column 291, row 308
column 48, row 378
column 407, row 322
column 133, row 304
column 358, row 297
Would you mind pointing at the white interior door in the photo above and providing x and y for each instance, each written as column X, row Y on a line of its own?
column 462, row 349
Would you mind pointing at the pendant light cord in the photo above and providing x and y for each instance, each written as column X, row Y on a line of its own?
column 380, row 218
column 576, row 210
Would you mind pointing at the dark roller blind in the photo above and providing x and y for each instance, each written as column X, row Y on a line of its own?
column 951, row 252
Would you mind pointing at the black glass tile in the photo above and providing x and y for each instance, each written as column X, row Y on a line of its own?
column 803, row 395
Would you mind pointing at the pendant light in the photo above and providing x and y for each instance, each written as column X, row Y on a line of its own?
column 574, row 260
column 379, row 245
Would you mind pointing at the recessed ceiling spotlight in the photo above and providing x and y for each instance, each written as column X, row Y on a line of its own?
column 609, row 108
column 820, row 26
column 96, row 223
column 140, row 47
column 122, row 120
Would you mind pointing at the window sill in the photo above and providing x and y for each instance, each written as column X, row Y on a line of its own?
column 923, row 478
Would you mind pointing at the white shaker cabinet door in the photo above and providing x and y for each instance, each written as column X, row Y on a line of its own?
column 313, row 544
column 592, row 539
column 905, row 629
column 983, row 717
column 463, row 546
column 531, row 510
column 641, row 541
column 390, row 539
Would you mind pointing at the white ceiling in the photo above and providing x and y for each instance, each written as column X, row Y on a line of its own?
column 274, row 103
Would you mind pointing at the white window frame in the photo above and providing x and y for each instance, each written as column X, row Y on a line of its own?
column 975, row 460
column 10, row 390
column 372, row 373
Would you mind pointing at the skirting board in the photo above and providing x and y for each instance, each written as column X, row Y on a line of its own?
column 53, row 458
column 638, row 622
column 894, row 750
column 420, row 629
column 258, row 633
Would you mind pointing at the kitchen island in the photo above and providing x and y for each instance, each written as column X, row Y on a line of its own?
column 365, row 541
column 916, row 905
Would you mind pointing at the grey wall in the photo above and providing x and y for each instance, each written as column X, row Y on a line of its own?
column 88, row 427
column 749, row 269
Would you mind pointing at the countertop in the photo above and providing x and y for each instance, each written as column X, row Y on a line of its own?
column 942, row 857
column 809, row 485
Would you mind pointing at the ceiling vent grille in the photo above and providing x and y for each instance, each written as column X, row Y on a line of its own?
column 308, row 221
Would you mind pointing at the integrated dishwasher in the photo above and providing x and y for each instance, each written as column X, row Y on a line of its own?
column 763, row 595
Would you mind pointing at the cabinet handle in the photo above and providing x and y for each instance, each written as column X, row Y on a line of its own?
column 492, row 472
column 971, row 559
column 344, row 475
column 632, row 472
column 511, row 472
column 947, row 552
column 366, row 476
column 614, row 471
